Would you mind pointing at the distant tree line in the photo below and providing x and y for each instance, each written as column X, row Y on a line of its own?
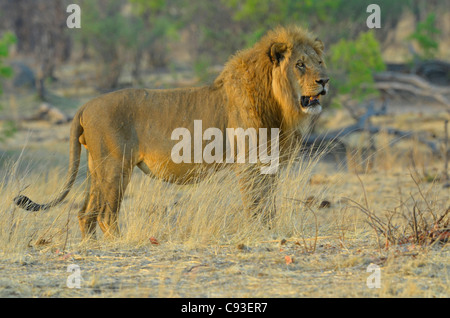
column 141, row 33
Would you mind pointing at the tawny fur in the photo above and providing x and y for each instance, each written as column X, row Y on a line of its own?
column 259, row 88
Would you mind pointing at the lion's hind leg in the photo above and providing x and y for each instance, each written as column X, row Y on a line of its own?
column 109, row 182
column 86, row 216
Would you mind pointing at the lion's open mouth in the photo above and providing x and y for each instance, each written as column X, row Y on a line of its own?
column 310, row 101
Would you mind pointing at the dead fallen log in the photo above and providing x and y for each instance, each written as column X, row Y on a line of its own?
column 411, row 83
column 336, row 136
column 52, row 114
column 387, row 86
column 363, row 125
column 46, row 112
column 434, row 71
column 410, row 79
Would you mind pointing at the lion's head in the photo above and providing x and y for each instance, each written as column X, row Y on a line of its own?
column 298, row 67
column 282, row 76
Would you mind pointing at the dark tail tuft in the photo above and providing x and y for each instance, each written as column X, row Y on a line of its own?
column 25, row 203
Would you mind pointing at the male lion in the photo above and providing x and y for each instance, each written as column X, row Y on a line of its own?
column 275, row 84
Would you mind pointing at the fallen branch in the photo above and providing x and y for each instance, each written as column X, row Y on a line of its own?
column 51, row 114
column 338, row 134
column 386, row 86
column 411, row 83
column 410, row 79
column 46, row 112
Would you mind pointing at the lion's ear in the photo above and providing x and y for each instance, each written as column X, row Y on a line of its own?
column 318, row 45
column 276, row 52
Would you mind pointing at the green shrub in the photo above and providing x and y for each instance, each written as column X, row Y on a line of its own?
column 352, row 64
column 8, row 128
column 5, row 42
column 425, row 36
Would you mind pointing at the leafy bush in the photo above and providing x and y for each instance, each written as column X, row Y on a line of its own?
column 5, row 42
column 260, row 15
column 352, row 64
column 8, row 128
column 425, row 35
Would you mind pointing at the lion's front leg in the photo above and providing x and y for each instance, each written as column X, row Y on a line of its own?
column 258, row 193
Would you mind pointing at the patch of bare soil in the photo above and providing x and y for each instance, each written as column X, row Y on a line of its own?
column 256, row 270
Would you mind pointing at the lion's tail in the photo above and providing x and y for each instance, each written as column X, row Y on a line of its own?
column 75, row 151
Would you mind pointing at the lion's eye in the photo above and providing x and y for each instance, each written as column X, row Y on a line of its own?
column 300, row 65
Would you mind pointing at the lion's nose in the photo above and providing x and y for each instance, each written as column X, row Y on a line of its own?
column 322, row 81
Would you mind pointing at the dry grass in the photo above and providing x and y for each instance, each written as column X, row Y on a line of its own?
column 195, row 241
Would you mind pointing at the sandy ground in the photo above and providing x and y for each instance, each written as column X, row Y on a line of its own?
column 257, row 270
column 271, row 264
